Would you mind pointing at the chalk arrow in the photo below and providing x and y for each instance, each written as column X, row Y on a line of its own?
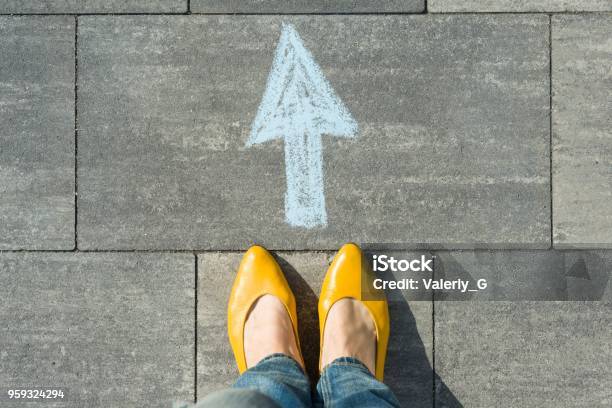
column 300, row 106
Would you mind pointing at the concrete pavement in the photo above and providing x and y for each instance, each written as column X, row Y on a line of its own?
column 128, row 194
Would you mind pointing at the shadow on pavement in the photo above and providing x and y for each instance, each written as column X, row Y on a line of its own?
column 409, row 372
column 307, row 301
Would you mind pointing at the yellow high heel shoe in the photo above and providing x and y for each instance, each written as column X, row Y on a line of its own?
column 344, row 279
column 258, row 274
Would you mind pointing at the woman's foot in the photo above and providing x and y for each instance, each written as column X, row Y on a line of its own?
column 268, row 330
column 349, row 332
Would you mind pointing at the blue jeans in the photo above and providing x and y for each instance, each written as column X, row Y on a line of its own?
column 278, row 381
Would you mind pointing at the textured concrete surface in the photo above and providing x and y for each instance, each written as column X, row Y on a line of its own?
column 408, row 372
column 518, row 5
column 524, row 354
column 37, row 133
column 453, row 149
column 499, row 347
column 93, row 6
column 527, row 275
column 453, row 143
column 582, row 130
column 304, row 6
column 117, row 330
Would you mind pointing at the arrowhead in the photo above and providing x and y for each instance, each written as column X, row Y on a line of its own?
column 298, row 98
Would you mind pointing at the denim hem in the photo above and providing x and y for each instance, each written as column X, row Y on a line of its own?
column 279, row 356
column 347, row 361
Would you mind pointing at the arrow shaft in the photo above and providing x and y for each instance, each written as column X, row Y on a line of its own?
column 305, row 198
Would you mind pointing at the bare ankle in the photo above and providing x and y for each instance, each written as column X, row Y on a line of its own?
column 349, row 332
column 268, row 330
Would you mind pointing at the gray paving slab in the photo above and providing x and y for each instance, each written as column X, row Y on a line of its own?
column 408, row 370
column 303, row 6
column 93, row 6
column 582, row 130
column 529, row 339
column 452, row 146
column 116, row 330
column 526, row 275
column 37, row 134
column 442, row 6
column 523, row 354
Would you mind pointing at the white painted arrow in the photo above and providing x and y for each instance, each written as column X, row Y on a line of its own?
column 300, row 106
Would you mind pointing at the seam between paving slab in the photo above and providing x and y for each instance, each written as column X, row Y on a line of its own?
column 353, row 13
column 296, row 251
column 76, row 130
column 433, row 339
column 550, row 129
column 284, row 250
column 195, row 332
